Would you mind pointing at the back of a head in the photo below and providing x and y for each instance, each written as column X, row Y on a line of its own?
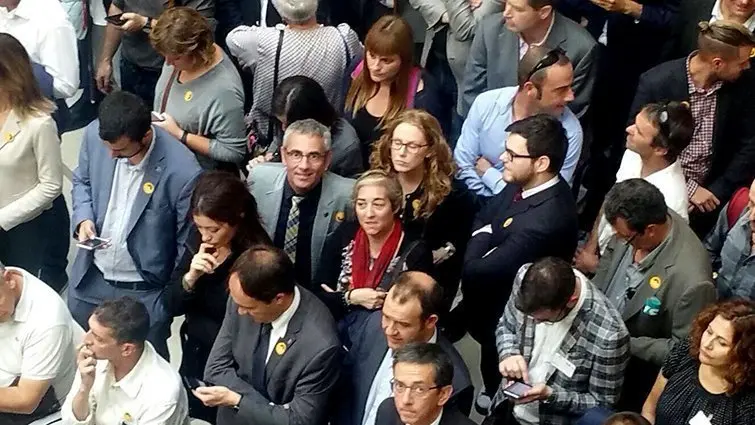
column 264, row 272
column 537, row 56
column 17, row 81
column 626, row 418
column 546, row 285
column 675, row 125
column 413, row 285
column 723, row 39
column 123, row 114
column 545, row 137
column 126, row 318
column 636, row 201
column 296, row 12
column 427, row 353
column 182, row 31
column 297, row 98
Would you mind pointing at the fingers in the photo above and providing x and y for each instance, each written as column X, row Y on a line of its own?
column 523, row 369
column 326, row 288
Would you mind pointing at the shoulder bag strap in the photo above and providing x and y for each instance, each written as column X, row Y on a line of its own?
column 166, row 92
column 276, row 71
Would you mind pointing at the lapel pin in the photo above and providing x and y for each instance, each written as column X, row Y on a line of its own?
column 280, row 348
column 340, row 216
column 127, row 419
column 655, row 282
column 8, row 137
column 416, row 204
column 188, row 95
column 148, row 188
column 508, row 222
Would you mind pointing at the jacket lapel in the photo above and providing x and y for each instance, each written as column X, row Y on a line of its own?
column 509, row 48
column 283, row 345
column 322, row 221
column 10, row 129
column 152, row 173
column 558, row 33
column 270, row 215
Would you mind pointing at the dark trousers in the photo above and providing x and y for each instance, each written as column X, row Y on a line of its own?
column 139, row 81
column 40, row 246
column 437, row 66
column 193, row 361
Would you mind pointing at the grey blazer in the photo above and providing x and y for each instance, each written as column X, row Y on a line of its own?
column 494, row 59
column 299, row 380
column 683, row 271
column 266, row 182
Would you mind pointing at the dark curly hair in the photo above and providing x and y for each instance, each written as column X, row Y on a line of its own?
column 741, row 314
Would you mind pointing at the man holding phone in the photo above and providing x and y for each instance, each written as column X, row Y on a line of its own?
column 563, row 347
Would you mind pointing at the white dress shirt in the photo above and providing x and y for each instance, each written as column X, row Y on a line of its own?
column 537, row 189
column 43, row 29
column 151, row 394
column 280, row 325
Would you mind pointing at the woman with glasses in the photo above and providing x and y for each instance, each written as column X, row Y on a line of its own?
column 414, row 150
column 361, row 263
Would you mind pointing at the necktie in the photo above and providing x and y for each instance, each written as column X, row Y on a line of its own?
column 518, row 196
column 259, row 359
column 292, row 229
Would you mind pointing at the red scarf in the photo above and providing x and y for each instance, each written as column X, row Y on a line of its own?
column 361, row 275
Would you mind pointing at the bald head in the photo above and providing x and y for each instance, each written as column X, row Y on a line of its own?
column 413, row 285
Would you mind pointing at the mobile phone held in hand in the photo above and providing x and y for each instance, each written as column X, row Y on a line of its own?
column 157, row 117
column 516, row 390
column 116, row 20
column 94, row 243
column 193, row 383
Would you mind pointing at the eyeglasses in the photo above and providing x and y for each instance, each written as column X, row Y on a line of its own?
column 631, row 239
column 509, row 155
column 313, row 157
column 412, row 147
column 549, row 59
column 418, row 391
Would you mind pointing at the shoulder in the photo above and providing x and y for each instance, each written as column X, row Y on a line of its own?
column 266, row 173
column 489, row 99
column 319, row 325
column 163, row 382
column 39, row 121
column 678, row 359
column 346, row 30
column 610, row 319
column 694, row 258
column 571, row 124
column 179, row 159
column 492, row 23
column 47, row 308
column 662, row 71
column 460, row 368
column 578, row 39
column 333, row 183
column 387, row 413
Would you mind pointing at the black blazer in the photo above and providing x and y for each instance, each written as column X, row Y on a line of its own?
column 733, row 163
column 388, row 415
column 684, row 39
column 361, row 365
column 299, row 381
column 544, row 224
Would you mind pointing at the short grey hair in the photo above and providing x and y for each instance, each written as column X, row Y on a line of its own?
column 308, row 127
column 296, row 11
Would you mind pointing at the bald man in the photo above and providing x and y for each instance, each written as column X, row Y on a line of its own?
column 409, row 314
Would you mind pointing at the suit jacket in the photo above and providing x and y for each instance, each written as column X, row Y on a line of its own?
column 363, row 361
column 159, row 225
column 266, row 182
column 597, row 344
column 733, row 162
column 544, row 224
column 684, row 38
column 388, row 415
column 299, row 380
column 686, row 286
column 494, row 58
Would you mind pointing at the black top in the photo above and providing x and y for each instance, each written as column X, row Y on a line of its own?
column 307, row 213
column 368, row 130
column 684, row 396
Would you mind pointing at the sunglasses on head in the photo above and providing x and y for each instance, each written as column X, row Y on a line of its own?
column 549, row 59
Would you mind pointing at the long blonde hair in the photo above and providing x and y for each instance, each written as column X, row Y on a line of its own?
column 17, row 82
column 439, row 165
column 390, row 35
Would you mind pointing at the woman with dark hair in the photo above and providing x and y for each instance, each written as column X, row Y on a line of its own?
column 297, row 98
column 710, row 378
column 225, row 214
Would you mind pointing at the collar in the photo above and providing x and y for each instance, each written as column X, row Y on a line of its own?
column 24, row 10
column 23, row 307
column 545, row 37
column 434, row 338
column 691, row 88
column 132, row 382
column 717, row 14
column 537, row 189
column 437, row 420
column 284, row 318
column 143, row 164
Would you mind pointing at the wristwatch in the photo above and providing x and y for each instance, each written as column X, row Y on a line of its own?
column 148, row 25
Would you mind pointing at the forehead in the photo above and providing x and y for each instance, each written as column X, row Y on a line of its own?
column 517, row 144
column 519, row 4
column 304, row 142
column 204, row 221
column 407, row 311
column 722, row 328
column 408, row 133
column 559, row 75
column 237, row 293
column 413, row 373
column 98, row 329
column 372, row 191
column 643, row 123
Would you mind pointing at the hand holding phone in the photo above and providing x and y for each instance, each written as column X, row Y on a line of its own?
column 116, row 20
column 157, row 117
column 193, row 383
column 516, row 390
column 94, row 243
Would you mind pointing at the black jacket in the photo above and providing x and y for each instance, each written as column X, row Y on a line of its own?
column 388, row 415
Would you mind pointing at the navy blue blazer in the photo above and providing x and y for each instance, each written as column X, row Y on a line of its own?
column 159, row 224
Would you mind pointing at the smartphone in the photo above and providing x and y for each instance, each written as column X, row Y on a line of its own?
column 157, row 117
column 193, row 383
column 94, row 243
column 116, row 19
column 516, row 390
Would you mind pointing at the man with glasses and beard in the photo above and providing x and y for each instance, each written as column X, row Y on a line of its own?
column 656, row 273
column 563, row 347
column 132, row 189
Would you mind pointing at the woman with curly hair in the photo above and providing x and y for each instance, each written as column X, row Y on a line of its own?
column 712, row 375
column 436, row 208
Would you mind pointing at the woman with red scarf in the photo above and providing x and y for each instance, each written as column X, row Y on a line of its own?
column 364, row 262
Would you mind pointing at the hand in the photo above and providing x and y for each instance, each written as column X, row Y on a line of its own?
column 612, row 5
column 217, row 396
column 104, row 77
column 586, row 260
column 202, row 263
column 134, row 22
column 474, row 4
column 538, row 392
column 371, row 299
column 87, row 366
column 704, row 200
column 170, row 125
column 444, row 18
column 260, row 159
column 87, row 230
column 514, row 367
column 482, row 166
column 440, row 255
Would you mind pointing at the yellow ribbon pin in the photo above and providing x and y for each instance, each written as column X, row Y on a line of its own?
column 280, row 348
column 508, row 222
column 8, row 137
column 188, row 95
column 128, row 419
column 655, row 282
column 340, row 216
column 416, row 203
column 148, row 188
column 752, row 53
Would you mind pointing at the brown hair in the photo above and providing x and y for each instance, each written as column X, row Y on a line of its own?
column 439, row 165
column 723, row 38
column 741, row 314
column 385, row 180
column 531, row 59
column 17, row 82
column 182, row 31
column 390, row 35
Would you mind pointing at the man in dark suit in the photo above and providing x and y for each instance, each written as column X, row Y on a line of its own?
column 422, row 378
column 409, row 314
column 534, row 216
column 279, row 365
column 721, row 156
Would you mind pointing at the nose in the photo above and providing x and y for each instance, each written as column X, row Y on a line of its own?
column 369, row 211
column 630, row 129
column 569, row 95
column 405, row 397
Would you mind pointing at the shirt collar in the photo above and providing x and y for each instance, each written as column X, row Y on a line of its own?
column 284, row 318
column 537, row 189
column 437, row 420
column 691, row 88
column 143, row 164
column 132, row 382
column 718, row 14
column 288, row 191
column 23, row 307
column 545, row 37
column 24, row 10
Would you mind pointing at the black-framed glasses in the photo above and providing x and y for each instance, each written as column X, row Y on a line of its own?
column 412, row 147
column 313, row 157
column 631, row 239
column 549, row 59
column 419, row 391
column 509, row 155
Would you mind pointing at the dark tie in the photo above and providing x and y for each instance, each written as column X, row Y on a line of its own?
column 272, row 17
column 260, row 358
column 518, row 195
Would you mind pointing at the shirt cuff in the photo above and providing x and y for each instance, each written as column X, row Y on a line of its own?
column 491, row 178
column 691, row 188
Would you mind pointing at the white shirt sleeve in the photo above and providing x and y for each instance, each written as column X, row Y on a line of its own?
column 58, row 53
column 43, row 353
column 66, row 411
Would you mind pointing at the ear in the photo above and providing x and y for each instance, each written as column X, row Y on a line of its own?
column 530, row 89
column 147, row 136
column 545, row 11
column 660, row 152
column 127, row 349
column 717, row 63
column 432, row 320
column 542, row 164
column 445, row 394
column 328, row 159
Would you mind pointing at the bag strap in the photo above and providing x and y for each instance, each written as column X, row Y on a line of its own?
column 737, row 204
column 166, row 92
column 345, row 47
column 276, row 71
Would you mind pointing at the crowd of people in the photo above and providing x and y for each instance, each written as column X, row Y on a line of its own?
column 332, row 195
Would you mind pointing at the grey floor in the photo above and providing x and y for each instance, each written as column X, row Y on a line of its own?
column 469, row 349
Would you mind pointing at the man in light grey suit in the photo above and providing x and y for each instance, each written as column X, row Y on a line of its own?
column 279, row 365
column 301, row 204
column 501, row 41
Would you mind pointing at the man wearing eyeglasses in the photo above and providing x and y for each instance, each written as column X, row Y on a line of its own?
column 300, row 202
column 545, row 87
column 422, row 377
column 656, row 273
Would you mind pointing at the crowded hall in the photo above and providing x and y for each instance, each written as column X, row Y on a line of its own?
column 377, row 212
